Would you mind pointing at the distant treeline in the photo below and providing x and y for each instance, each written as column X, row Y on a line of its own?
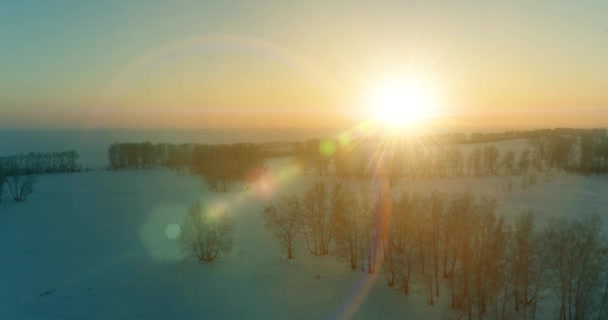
column 480, row 137
column 149, row 155
column 582, row 151
column 18, row 172
column 219, row 165
column 574, row 150
column 38, row 163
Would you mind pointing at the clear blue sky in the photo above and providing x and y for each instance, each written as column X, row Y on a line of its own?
column 59, row 58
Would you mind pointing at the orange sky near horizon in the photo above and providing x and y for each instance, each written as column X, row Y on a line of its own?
column 293, row 64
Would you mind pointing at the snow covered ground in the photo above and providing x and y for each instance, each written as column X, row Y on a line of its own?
column 96, row 245
column 99, row 245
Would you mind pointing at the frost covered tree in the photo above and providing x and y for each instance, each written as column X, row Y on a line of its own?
column 283, row 219
column 206, row 232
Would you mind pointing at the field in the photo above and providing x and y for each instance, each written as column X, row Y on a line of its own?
column 101, row 245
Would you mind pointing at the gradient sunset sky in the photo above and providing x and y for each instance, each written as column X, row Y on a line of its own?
column 297, row 63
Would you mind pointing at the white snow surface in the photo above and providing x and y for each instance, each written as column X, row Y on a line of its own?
column 100, row 245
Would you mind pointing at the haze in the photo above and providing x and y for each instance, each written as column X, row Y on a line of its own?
column 297, row 64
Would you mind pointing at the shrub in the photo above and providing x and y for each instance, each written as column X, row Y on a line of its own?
column 20, row 186
column 207, row 232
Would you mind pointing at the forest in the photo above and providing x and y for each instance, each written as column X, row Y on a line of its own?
column 455, row 245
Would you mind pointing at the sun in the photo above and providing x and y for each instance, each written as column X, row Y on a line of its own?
column 404, row 103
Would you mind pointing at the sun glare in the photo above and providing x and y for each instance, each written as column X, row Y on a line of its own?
column 402, row 104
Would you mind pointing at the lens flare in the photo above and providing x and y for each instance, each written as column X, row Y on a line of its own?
column 327, row 147
column 173, row 231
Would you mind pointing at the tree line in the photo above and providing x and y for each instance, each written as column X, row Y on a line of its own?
column 485, row 137
column 489, row 268
column 219, row 165
column 39, row 162
column 582, row 151
column 420, row 162
column 17, row 172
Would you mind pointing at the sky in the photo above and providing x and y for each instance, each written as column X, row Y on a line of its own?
column 297, row 63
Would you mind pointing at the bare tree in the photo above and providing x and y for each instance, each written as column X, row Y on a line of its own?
column 318, row 216
column 486, row 226
column 368, row 246
column 578, row 258
column 529, row 266
column 523, row 163
column 283, row 219
column 21, row 186
column 2, row 181
column 461, row 214
column 347, row 226
column 455, row 159
column 499, row 276
column 437, row 204
column 421, row 223
column 508, row 162
column 475, row 161
column 490, row 159
column 206, row 232
column 402, row 241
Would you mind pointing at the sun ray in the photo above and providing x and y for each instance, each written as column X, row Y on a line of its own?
column 402, row 103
